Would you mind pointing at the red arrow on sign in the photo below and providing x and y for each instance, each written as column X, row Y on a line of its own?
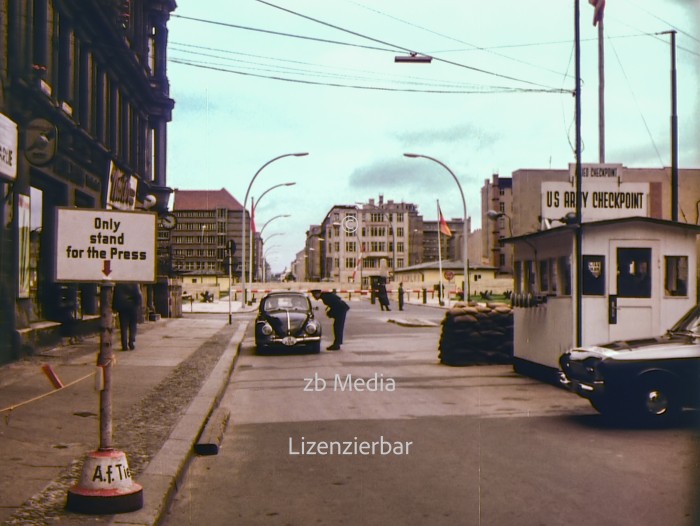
column 107, row 269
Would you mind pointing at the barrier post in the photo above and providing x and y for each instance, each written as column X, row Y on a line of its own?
column 105, row 486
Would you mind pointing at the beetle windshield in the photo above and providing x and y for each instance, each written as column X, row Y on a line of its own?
column 286, row 302
column 689, row 324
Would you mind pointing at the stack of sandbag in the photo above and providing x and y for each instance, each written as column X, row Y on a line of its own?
column 477, row 334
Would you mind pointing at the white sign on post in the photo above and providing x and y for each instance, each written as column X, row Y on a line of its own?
column 603, row 195
column 99, row 245
column 8, row 148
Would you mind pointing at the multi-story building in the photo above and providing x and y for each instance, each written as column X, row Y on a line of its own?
column 375, row 238
column 450, row 246
column 84, row 104
column 497, row 196
column 207, row 221
column 312, row 254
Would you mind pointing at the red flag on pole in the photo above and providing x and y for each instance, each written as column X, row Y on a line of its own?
column 599, row 6
column 444, row 227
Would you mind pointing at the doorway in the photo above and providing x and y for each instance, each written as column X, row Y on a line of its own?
column 633, row 282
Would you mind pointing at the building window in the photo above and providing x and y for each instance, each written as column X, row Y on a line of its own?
column 676, row 280
column 593, row 271
column 634, row 272
column 564, row 274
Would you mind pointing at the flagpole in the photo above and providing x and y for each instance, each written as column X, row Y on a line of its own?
column 601, row 93
column 439, row 229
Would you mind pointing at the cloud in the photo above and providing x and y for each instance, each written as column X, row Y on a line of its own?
column 462, row 134
column 389, row 175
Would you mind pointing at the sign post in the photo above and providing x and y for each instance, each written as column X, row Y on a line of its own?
column 105, row 246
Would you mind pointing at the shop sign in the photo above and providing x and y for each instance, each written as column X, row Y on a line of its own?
column 121, row 189
column 99, row 245
column 8, row 148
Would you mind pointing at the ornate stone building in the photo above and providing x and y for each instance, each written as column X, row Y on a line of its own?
column 84, row 106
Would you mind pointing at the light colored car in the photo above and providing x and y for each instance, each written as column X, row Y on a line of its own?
column 649, row 379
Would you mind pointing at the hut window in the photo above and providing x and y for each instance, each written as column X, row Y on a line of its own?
column 676, row 282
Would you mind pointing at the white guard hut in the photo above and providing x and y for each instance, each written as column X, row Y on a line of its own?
column 639, row 276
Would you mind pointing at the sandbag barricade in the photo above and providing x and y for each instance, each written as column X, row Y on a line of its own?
column 477, row 335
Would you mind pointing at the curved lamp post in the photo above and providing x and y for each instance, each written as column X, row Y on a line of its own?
column 264, row 260
column 265, row 252
column 243, row 222
column 464, row 226
column 253, row 207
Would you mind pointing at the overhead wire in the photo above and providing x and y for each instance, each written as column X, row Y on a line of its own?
column 405, row 49
column 220, row 54
column 473, row 47
column 636, row 102
column 214, row 67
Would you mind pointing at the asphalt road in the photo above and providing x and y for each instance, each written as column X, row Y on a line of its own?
column 466, row 445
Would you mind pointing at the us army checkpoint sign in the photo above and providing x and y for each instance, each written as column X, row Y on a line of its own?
column 99, row 245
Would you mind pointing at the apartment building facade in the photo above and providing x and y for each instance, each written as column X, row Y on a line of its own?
column 207, row 222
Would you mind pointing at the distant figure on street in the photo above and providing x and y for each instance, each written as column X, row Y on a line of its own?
column 126, row 301
column 382, row 295
column 400, row 296
column 336, row 309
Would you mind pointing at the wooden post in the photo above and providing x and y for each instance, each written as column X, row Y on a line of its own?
column 105, row 360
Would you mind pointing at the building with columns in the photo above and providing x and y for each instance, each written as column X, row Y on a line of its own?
column 84, row 109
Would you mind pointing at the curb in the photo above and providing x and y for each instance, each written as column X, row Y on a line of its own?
column 164, row 473
column 412, row 322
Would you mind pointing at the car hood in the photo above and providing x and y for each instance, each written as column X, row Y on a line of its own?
column 641, row 349
column 287, row 322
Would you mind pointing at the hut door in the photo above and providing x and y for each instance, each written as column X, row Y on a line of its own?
column 635, row 283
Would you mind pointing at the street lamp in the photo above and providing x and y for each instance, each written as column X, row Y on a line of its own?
column 253, row 207
column 245, row 201
column 264, row 260
column 263, row 241
column 464, row 226
column 493, row 215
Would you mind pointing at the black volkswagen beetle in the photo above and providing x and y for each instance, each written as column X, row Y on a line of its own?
column 286, row 320
column 649, row 379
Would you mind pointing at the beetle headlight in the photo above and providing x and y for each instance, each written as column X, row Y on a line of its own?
column 311, row 327
column 266, row 329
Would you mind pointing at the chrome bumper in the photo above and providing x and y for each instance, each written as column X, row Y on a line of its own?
column 586, row 390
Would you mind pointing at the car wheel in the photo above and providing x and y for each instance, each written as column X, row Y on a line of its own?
column 657, row 402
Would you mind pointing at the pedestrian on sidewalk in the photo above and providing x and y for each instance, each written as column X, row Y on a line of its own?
column 400, row 296
column 382, row 295
column 126, row 302
column 336, row 309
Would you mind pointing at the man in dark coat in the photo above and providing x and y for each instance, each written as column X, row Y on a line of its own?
column 126, row 301
column 336, row 309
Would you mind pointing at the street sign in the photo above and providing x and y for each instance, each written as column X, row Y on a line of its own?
column 449, row 274
column 99, row 245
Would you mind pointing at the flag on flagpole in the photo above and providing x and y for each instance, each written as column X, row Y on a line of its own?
column 599, row 6
column 444, row 227
column 357, row 267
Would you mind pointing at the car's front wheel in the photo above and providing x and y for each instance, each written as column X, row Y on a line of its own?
column 657, row 401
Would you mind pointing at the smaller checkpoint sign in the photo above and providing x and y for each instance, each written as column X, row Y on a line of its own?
column 99, row 245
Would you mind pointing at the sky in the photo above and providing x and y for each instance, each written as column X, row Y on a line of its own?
column 256, row 79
